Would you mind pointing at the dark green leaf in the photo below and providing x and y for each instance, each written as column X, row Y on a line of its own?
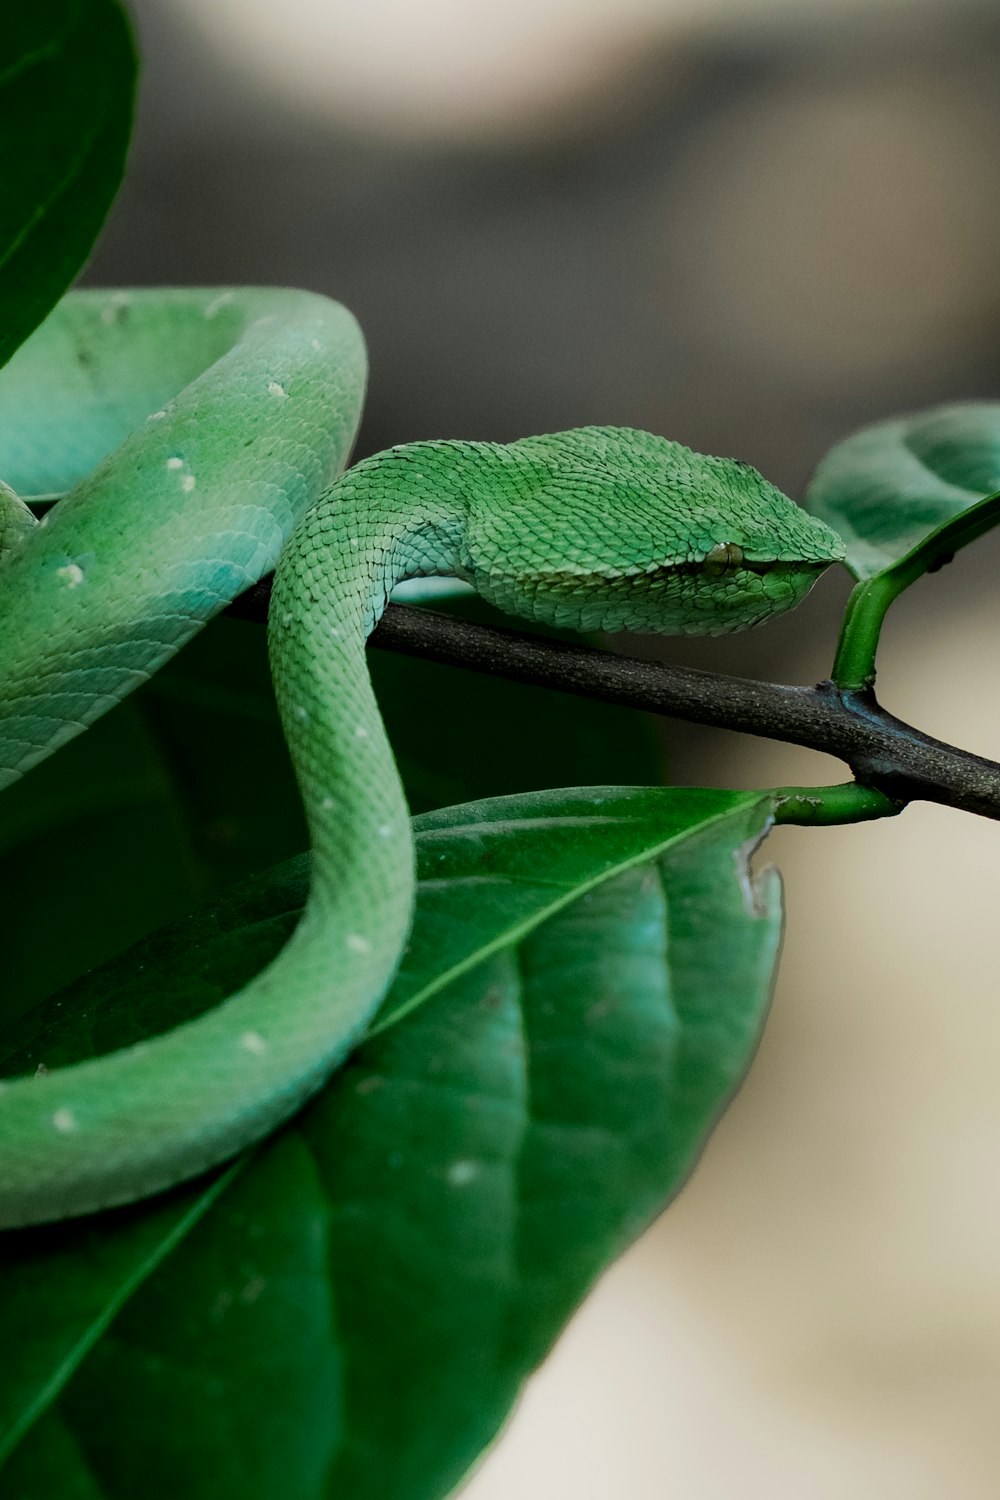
column 356, row 1312
column 94, row 845
column 67, row 74
column 890, row 485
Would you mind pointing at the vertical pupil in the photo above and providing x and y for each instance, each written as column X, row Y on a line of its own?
column 724, row 557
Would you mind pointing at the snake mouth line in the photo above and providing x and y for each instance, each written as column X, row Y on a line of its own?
column 746, row 565
column 658, row 572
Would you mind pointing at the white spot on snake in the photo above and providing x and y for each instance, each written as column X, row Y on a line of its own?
column 64, row 1120
column 360, row 732
column 175, row 463
column 72, row 573
column 252, row 1041
column 274, row 389
column 334, row 630
column 287, row 618
column 385, row 832
column 156, row 416
column 217, row 303
column 112, row 311
column 354, row 542
column 327, row 804
column 300, row 712
column 357, row 943
column 188, row 483
column 462, row 1172
column 315, row 344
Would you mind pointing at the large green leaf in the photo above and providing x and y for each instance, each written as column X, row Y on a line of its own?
column 888, row 486
column 67, row 75
column 354, row 1312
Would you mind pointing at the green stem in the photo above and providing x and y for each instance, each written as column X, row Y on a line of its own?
column 854, row 665
column 823, row 806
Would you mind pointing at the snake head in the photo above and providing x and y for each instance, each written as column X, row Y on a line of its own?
column 605, row 528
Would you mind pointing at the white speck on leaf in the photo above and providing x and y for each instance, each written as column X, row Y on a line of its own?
column 274, row 389
column 175, row 463
column 188, row 483
column 156, row 416
column 71, row 574
column 751, row 888
column 252, row 1041
column 221, row 1305
column 462, row 1172
column 64, row 1120
column 357, row 943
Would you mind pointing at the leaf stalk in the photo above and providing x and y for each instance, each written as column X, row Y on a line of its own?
column 854, row 664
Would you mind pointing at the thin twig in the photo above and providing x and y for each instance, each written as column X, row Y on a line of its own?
column 881, row 750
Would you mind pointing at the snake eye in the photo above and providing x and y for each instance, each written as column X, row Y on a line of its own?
column 723, row 558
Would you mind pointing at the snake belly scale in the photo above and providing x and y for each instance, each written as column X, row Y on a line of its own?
column 198, row 438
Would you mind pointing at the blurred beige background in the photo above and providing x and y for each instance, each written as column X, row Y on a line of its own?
column 752, row 227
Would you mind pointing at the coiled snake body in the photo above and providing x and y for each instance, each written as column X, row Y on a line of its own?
column 190, row 430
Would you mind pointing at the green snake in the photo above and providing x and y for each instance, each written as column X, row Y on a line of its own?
column 198, row 438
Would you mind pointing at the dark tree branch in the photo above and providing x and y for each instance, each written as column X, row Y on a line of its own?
column 881, row 750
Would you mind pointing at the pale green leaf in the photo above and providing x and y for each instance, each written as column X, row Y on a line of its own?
column 888, row 486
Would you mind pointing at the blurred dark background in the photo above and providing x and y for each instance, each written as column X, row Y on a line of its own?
column 751, row 237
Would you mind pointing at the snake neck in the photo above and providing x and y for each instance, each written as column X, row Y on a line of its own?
column 398, row 515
